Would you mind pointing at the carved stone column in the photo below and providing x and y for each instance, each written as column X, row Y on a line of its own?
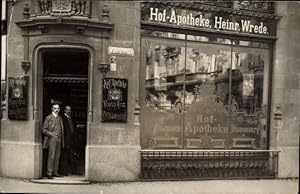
column 25, row 64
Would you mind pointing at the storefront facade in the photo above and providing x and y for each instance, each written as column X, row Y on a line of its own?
column 146, row 79
column 64, row 48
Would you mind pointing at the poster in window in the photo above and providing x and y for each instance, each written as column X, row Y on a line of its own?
column 114, row 101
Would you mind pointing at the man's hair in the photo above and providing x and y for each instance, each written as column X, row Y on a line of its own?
column 68, row 106
column 54, row 104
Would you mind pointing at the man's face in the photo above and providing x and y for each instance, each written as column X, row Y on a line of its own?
column 68, row 110
column 55, row 108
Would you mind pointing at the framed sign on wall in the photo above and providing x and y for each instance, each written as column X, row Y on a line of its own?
column 114, row 100
column 17, row 98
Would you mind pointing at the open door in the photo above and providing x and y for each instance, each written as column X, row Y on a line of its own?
column 65, row 81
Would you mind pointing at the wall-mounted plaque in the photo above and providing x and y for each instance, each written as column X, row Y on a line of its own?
column 114, row 100
column 17, row 98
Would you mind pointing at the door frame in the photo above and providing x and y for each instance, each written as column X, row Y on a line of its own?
column 37, row 90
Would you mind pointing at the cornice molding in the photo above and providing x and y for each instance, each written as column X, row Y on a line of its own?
column 217, row 9
column 34, row 22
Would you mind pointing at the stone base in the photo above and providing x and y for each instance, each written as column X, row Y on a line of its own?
column 112, row 163
column 20, row 159
column 288, row 164
column 66, row 180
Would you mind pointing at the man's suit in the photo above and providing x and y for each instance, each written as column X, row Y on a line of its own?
column 53, row 130
column 65, row 159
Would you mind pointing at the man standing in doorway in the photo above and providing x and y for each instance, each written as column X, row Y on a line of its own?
column 54, row 131
column 65, row 160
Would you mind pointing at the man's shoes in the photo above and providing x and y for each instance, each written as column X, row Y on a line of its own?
column 49, row 177
column 57, row 175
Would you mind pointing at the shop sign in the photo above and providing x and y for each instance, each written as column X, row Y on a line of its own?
column 114, row 100
column 17, row 98
column 120, row 51
column 210, row 21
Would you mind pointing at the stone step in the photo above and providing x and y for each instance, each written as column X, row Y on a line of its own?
column 66, row 180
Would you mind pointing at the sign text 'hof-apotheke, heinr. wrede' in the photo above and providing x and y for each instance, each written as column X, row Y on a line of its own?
column 217, row 23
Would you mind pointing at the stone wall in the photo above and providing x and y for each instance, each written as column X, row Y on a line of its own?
column 286, row 88
column 18, row 149
column 113, row 150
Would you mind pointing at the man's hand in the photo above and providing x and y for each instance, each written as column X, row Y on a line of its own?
column 53, row 135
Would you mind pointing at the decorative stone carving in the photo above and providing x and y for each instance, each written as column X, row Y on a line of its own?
column 25, row 66
column 80, row 29
column 80, row 6
column 45, row 5
column 263, row 6
column 63, row 7
column 105, row 13
column 219, row 3
column 43, row 28
column 104, row 68
column 26, row 11
column 137, row 112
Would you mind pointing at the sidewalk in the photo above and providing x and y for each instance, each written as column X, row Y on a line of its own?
column 282, row 186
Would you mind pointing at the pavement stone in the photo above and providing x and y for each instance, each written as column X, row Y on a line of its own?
column 275, row 186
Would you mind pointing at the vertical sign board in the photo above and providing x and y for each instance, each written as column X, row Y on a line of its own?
column 114, row 100
column 17, row 98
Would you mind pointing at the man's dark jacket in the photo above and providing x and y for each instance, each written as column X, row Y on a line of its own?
column 68, row 131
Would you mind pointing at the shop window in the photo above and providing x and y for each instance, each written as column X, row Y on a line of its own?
column 199, row 95
column 206, row 118
column 249, row 93
column 164, row 79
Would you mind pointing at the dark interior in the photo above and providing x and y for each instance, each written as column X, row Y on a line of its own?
column 66, row 62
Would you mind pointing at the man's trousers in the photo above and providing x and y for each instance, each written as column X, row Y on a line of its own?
column 65, row 161
column 53, row 156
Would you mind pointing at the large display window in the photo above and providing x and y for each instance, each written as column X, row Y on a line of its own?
column 203, row 93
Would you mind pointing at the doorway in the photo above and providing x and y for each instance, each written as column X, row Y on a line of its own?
column 65, row 82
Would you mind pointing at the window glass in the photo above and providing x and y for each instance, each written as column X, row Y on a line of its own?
column 163, row 34
column 208, row 39
column 162, row 109
column 202, row 95
column 206, row 96
column 198, row 38
column 249, row 97
column 250, row 44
